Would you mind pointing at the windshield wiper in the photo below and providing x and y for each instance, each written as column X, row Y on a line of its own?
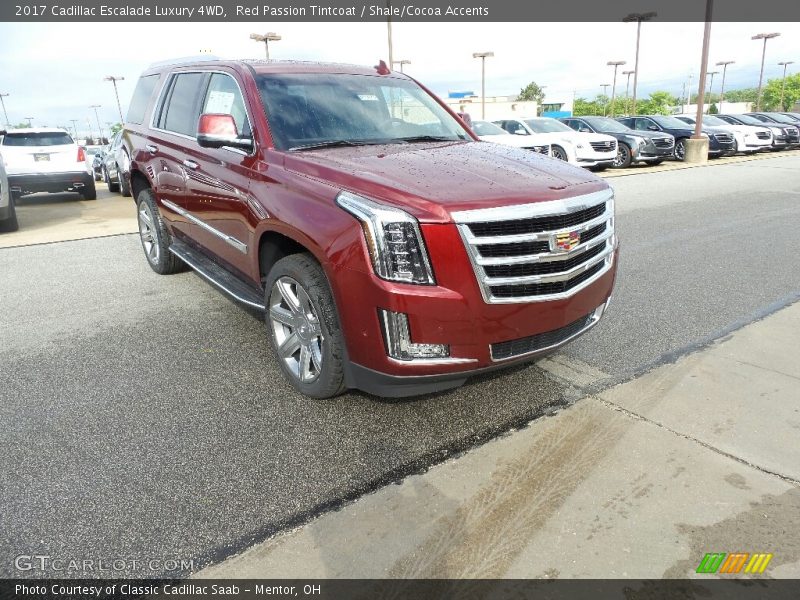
column 429, row 138
column 327, row 144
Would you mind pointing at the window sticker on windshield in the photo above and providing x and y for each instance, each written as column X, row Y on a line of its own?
column 220, row 102
column 368, row 97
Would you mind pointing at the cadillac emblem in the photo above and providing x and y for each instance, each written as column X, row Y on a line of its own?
column 564, row 242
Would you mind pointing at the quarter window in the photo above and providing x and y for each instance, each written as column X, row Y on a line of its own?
column 181, row 113
column 141, row 98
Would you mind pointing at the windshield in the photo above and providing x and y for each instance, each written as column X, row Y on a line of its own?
column 782, row 118
column 486, row 128
column 92, row 151
column 747, row 120
column 607, row 124
column 318, row 109
column 547, row 126
column 670, row 122
column 46, row 138
column 714, row 121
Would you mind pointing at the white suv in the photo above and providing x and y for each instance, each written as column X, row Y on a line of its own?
column 8, row 215
column 46, row 160
column 583, row 149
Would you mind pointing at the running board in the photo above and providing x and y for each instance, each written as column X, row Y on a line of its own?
column 217, row 275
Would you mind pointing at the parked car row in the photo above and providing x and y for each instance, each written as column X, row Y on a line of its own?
column 600, row 142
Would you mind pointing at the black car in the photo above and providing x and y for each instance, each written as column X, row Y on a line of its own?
column 789, row 125
column 632, row 146
column 719, row 143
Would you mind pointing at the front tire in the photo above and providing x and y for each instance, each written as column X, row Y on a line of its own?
column 560, row 153
column 624, row 157
column 155, row 237
column 10, row 224
column 112, row 187
column 680, row 149
column 303, row 326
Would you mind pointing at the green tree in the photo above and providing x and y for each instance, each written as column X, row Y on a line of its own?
column 583, row 107
column 531, row 92
column 115, row 128
column 659, row 103
column 22, row 125
column 743, row 95
column 771, row 98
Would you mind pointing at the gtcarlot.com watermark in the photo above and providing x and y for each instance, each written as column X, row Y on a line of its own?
column 44, row 563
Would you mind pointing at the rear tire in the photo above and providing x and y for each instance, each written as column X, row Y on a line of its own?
column 112, row 187
column 89, row 192
column 303, row 326
column 10, row 224
column 155, row 237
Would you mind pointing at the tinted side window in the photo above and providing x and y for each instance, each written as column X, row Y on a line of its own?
column 643, row 123
column 141, row 99
column 224, row 97
column 181, row 113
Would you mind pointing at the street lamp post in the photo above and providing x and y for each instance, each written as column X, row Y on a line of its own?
column 765, row 37
column 268, row 37
column 697, row 139
column 616, row 64
column 637, row 18
column 711, row 88
column 401, row 63
column 784, row 64
column 99, row 128
column 5, row 114
column 605, row 87
column 483, row 56
column 724, row 64
column 30, row 121
column 114, row 80
column 389, row 31
column 75, row 127
column 627, row 90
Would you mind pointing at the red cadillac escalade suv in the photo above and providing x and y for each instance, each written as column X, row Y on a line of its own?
column 390, row 250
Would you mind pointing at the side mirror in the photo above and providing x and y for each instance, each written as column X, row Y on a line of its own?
column 520, row 131
column 218, row 130
column 585, row 130
column 652, row 128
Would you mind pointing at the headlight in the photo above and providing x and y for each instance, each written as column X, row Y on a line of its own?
column 393, row 238
column 641, row 141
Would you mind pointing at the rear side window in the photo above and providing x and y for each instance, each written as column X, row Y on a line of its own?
column 141, row 99
column 181, row 112
column 49, row 138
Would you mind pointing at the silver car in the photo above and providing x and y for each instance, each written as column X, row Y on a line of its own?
column 8, row 214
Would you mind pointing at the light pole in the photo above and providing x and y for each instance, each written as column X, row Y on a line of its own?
column 616, row 64
column 627, row 89
column 89, row 125
column 688, row 92
column 711, row 88
column 268, row 37
column 605, row 87
column 784, row 64
column 5, row 114
column 99, row 128
column 114, row 80
column 724, row 64
column 75, row 127
column 401, row 63
column 483, row 56
column 389, row 31
column 765, row 37
column 697, row 139
column 637, row 18
column 30, row 121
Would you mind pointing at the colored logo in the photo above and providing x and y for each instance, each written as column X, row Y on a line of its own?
column 735, row 562
column 564, row 242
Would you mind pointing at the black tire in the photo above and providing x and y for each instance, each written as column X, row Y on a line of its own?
column 10, row 224
column 624, row 157
column 559, row 153
column 89, row 191
column 680, row 149
column 155, row 237
column 122, row 183
column 303, row 272
column 97, row 177
column 112, row 187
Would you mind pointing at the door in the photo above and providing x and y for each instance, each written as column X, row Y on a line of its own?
column 170, row 139
column 217, row 180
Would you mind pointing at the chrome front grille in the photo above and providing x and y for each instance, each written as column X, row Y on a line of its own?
column 663, row 142
column 604, row 146
column 763, row 135
column 540, row 251
column 724, row 138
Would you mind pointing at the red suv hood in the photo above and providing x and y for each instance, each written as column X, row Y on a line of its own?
column 432, row 179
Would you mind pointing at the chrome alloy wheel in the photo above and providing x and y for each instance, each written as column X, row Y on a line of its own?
column 297, row 329
column 559, row 153
column 148, row 233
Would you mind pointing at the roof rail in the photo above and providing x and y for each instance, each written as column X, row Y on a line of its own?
column 184, row 60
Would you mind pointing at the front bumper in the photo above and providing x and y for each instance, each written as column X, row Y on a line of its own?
column 595, row 159
column 31, row 183
column 454, row 313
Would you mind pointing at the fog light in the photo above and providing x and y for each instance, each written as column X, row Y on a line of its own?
column 398, row 339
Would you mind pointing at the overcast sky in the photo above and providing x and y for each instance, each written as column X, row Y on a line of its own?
column 53, row 72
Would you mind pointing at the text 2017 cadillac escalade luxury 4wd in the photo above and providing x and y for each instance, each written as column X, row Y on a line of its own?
column 391, row 250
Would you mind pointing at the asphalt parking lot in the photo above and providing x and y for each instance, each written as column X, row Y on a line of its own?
column 146, row 419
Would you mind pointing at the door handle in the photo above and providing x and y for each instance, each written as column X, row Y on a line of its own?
column 190, row 164
column 151, row 149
